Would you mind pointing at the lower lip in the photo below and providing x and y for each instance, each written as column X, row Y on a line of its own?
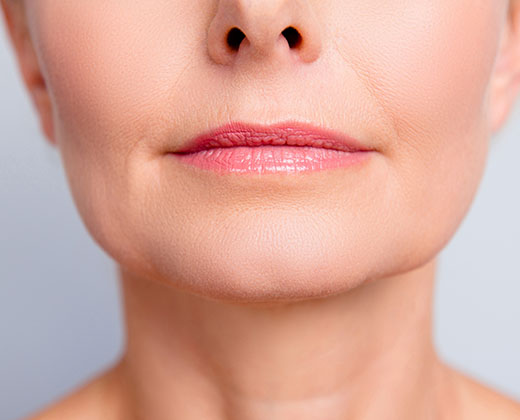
column 271, row 159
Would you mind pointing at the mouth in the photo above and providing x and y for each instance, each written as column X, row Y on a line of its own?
column 285, row 147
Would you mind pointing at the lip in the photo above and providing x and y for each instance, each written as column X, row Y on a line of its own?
column 243, row 148
column 236, row 134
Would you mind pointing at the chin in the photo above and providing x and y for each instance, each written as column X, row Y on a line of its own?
column 267, row 266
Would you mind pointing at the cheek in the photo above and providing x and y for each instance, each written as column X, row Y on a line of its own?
column 428, row 65
column 106, row 68
column 111, row 78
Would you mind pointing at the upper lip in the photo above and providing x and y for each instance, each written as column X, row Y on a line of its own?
column 236, row 134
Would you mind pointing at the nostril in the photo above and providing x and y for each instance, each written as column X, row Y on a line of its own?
column 234, row 38
column 293, row 37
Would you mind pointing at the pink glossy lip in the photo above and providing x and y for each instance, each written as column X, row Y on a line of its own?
column 287, row 147
column 296, row 134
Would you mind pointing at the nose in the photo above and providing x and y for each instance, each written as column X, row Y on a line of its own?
column 264, row 29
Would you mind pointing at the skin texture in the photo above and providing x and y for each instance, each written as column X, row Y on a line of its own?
column 275, row 297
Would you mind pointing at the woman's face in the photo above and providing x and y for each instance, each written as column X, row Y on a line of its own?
column 129, row 82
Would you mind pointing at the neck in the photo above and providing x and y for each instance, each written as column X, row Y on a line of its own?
column 364, row 354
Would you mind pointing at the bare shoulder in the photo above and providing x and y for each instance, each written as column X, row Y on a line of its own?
column 480, row 402
column 91, row 400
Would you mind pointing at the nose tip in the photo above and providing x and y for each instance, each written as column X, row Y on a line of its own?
column 264, row 29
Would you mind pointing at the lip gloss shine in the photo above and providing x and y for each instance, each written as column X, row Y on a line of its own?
column 270, row 159
column 283, row 148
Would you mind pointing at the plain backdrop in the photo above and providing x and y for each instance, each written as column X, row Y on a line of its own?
column 60, row 309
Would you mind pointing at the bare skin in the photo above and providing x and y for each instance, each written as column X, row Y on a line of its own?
column 472, row 400
column 273, row 297
column 399, row 376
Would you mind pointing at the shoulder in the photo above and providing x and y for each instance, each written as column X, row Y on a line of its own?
column 90, row 400
column 77, row 404
column 480, row 402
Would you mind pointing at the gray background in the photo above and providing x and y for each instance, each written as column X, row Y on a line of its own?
column 60, row 310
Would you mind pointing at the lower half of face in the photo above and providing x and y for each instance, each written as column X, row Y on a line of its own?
column 407, row 78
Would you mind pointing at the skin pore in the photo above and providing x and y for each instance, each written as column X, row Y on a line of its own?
column 253, row 298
